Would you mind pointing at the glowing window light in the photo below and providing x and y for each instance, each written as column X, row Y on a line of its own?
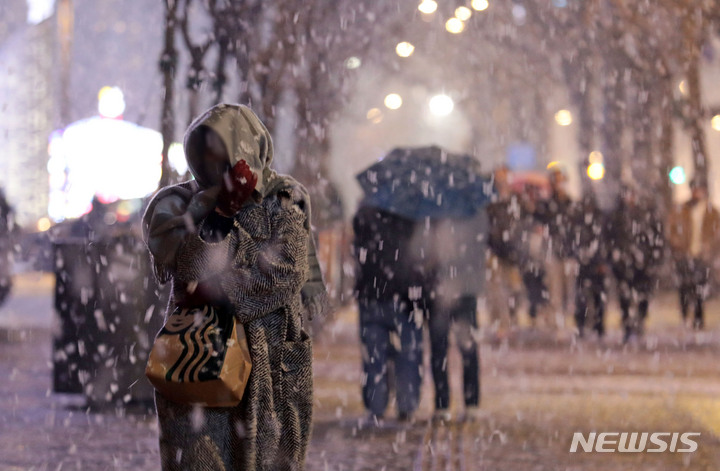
column 428, row 6
column 463, row 13
column 596, row 171
column 404, row 49
column 111, row 102
column 353, row 62
column 441, row 105
column 393, row 101
column 454, row 26
column 480, row 5
column 715, row 122
column 677, row 175
column 108, row 158
column 595, row 157
column 374, row 115
column 563, row 118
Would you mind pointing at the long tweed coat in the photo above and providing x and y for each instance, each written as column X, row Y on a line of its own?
column 260, row 266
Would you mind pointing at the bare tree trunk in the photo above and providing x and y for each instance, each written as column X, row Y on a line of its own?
column 168, row 65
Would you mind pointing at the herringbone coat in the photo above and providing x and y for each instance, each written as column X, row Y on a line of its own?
column 257, row 265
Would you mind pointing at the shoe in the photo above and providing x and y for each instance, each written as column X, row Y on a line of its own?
column 441, row 416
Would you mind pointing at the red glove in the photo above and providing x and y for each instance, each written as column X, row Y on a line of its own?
column 238, row 184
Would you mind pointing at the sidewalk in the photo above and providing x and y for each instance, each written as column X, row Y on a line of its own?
column 539, row 387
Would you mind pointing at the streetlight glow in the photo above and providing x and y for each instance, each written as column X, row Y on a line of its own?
column 404, row 49
column 454, row 26
column 393, row 101
column 463, row 13
column 479, row 5
column 596, row 171
column 441, row 105
column 428, row 6
column 563, row 118
column 595, row 157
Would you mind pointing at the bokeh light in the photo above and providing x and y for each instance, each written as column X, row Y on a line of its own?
column 428, row 6
column 595, row 157
column 715, row 122
column 404, row 49
column 454, row 26
column 111, row 102
column 393, row 101
column 353, row 62
column 463, row 13
column 677, row 175
column 596, row 171
column 374, row 115
column 480, row 5
column 563, row 118
column 441, row 105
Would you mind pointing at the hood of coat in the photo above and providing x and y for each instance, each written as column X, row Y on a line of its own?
column 223, row 136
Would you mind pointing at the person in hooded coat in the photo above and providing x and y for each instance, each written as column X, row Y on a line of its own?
column 238, row 237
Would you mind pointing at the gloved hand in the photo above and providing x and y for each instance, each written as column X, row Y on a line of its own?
column 237, row 186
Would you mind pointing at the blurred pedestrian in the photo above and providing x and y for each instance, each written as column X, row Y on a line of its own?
column 392, row 292
column 238, row 238
column 458, row 254
column 587, row 244
column 560, row 268
column 504, row 290
column 7, row 230
column 694, row 237
column 635, row 244
column 535, row 254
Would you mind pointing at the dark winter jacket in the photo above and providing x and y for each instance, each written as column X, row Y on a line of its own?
column 554, row 214
column 505, row 229
column 587, row 237
column 389, row 262
column 252, row 266
column 635, row 241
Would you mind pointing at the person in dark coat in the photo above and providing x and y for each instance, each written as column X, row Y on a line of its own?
column 238, row 237
column 392, row 291
column 587, row 244
column 635, row 245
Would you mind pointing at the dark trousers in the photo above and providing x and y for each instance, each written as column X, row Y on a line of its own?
column 694, row 279
column 462, row 315
column 634, row 286
column 590, row 292
column 379, row 320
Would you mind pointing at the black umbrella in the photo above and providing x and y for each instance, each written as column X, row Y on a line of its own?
column 426, row 182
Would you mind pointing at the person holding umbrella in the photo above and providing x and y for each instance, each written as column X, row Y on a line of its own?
column 445, row 196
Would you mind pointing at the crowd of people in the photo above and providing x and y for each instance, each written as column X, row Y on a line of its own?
column 533, row 249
